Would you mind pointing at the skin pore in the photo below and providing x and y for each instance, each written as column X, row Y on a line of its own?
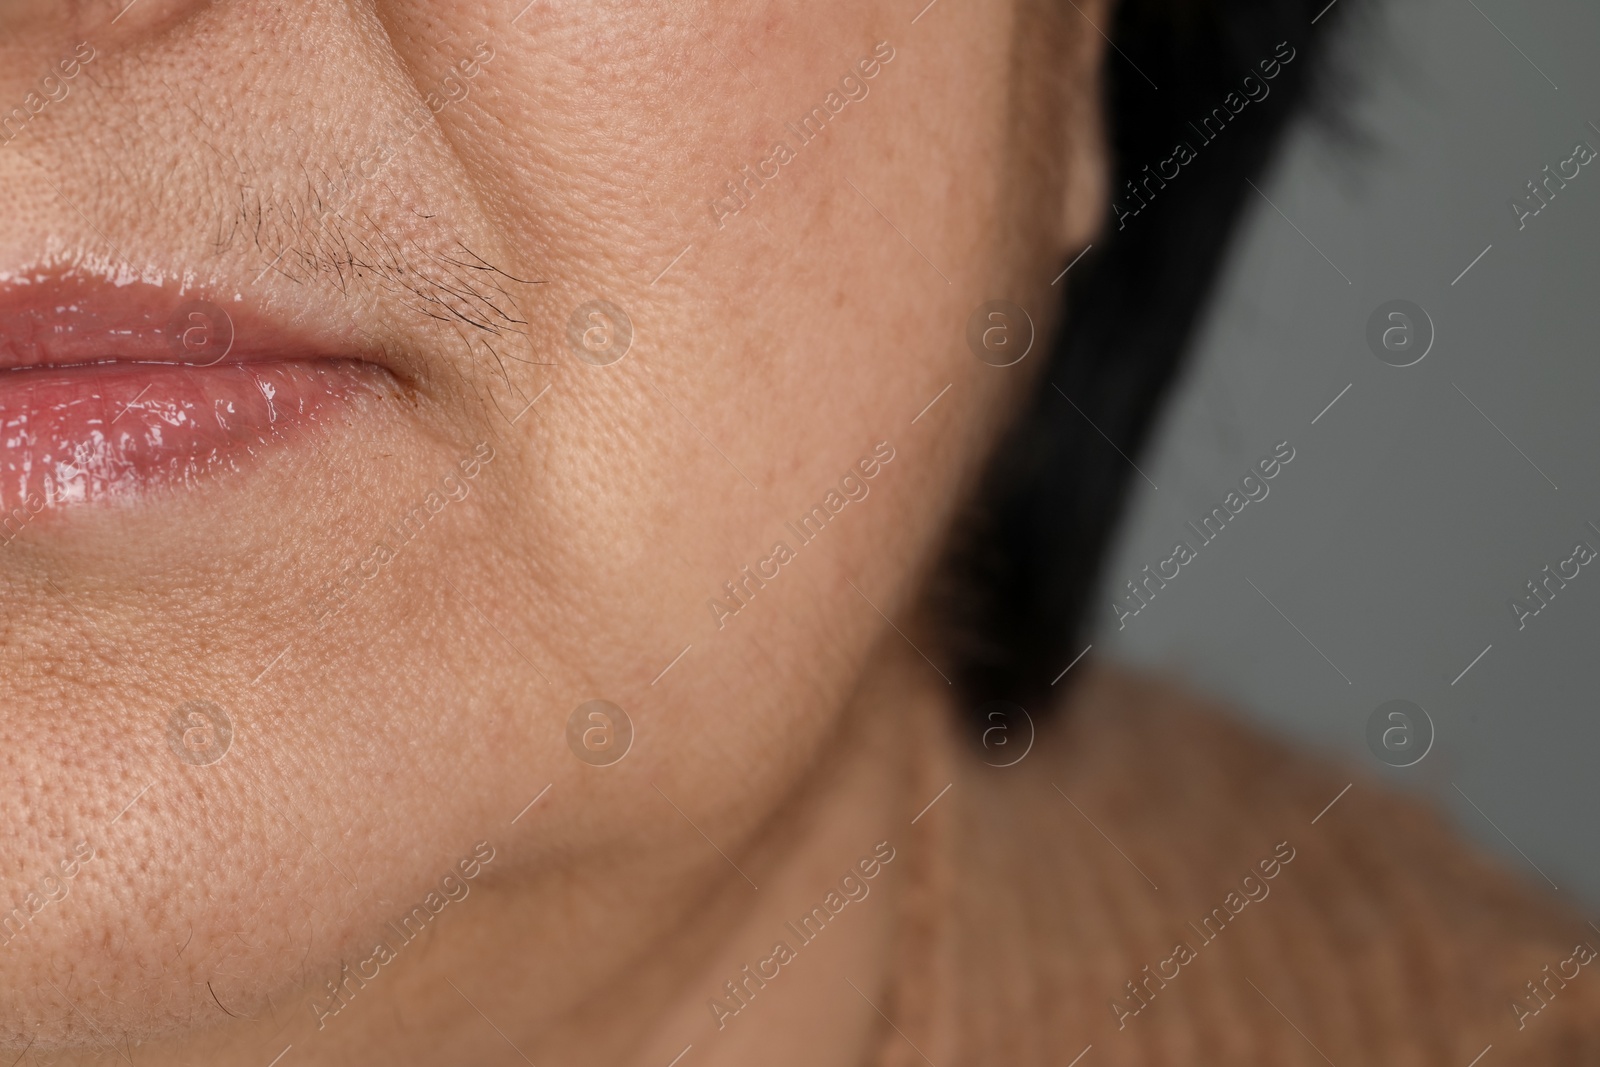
column 436, row 187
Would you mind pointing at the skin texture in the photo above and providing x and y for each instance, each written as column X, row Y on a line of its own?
column 371, row 753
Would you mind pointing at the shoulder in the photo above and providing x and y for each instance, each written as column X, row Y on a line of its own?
column 1225, row 893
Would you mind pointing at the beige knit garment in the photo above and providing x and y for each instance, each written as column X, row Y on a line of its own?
column 1038, row 892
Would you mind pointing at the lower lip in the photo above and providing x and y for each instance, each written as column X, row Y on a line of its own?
column 92, row 432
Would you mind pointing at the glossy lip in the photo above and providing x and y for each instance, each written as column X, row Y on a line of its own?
column 107, row 391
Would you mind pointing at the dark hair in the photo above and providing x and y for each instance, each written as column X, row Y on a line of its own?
column 1012, row 601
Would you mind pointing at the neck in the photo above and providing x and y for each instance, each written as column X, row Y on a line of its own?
column 781, row 951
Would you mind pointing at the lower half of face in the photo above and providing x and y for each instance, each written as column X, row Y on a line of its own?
column 410, row 410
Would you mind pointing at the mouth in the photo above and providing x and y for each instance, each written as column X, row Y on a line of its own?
column 109, row 391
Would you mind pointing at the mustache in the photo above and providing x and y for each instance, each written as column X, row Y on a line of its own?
column 290, row 212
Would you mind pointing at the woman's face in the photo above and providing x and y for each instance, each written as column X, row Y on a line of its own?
column 556, row 353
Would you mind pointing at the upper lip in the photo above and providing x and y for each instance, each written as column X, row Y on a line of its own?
column 73, row 321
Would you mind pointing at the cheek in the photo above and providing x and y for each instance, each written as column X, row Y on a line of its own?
column 759, row 371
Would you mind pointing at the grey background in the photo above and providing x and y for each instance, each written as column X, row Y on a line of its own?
column 1407, row 522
